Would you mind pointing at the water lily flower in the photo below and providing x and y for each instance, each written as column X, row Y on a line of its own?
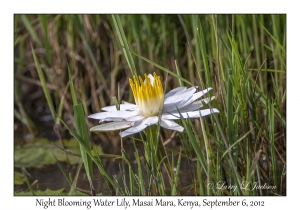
column 150, row 100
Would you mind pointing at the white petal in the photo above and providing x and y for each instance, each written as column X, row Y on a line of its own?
column 174, row 91
column 191, row 107
column 178, row 104
column 195, row 105
column 179, row 100
column 115, row 119
column 182, row 99
column 114, row 115
column 123, row 107
column 168, row 124
column 112, row 126
column 135, row 118
column 178, row 95
column 194, row 114
column 200, row 93
column 151, row 79
column 139, row 126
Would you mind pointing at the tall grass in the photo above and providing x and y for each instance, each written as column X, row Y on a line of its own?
column 241, row 56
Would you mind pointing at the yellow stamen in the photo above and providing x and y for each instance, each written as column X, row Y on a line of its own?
column 149, row 97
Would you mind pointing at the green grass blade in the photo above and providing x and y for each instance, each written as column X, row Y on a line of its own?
column 79, row 25
column 63, row 171
column 230, row 108
column 178, row 73
column 95, row 157
column 184, row 28
column 273, row 38
column 73, row 190
column 44, row 84
column 44, row 21
column 198, row 46
column 204, row 55
column 163, row 68
column 195, row 144
column 272, row 143
column 140, row 177
column 73, row 94
column 131, row 172
column 27, row 181
column 176, row 178
column 83, row 132
column 208, row 155
column 202, row 188
column 123, row 41
column 31, row 30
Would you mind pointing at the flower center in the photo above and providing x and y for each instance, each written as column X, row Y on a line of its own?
column 148, row 94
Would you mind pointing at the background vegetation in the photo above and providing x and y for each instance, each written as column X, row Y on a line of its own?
column 243, row 57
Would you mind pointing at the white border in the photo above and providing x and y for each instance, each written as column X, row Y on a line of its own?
column 154, row 6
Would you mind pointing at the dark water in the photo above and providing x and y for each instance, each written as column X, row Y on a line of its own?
column 51, row 177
